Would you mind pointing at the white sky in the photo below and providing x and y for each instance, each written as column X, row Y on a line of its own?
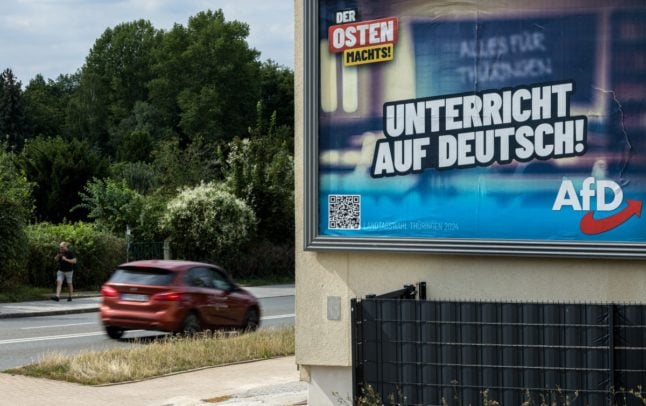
column 53, row 37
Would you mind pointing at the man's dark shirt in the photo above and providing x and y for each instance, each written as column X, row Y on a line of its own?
column 64, row 265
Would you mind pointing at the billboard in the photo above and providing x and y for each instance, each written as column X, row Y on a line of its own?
column 476, row 127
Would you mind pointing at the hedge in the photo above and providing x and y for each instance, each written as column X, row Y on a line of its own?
column 263, row 260
column 13, row 244
column 97, row 252
column 258, row 259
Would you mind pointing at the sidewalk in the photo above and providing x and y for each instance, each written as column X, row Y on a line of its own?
column 87, row 302
column 272, row 382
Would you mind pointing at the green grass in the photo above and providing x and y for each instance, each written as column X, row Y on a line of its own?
column 161, row 357
column 24, row 293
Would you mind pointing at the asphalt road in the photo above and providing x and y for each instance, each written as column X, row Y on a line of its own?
column 25, row 340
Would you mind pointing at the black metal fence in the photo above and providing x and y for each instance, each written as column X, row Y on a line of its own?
column 460, row 353
column 145, row 250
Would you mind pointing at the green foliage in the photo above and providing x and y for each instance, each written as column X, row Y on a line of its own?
column 113, row 79
column 98, row 253
column 162, row 107
column 16, row 206
column 202, row 112
column 134, row 137
column 13, row 244
column 13, row 124
column 178, row 167
column 46, row 104
column 207, row 222
column 112, row 204
column 261, row 172
column 206, row 77
column 148, row 227
column 86, row 117
column 277, row 93
column 60, row 169
column 139, row 176
column 15, row 186
column 115, row 206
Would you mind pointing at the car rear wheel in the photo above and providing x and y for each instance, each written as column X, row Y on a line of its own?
column 191, row 324
column 251, row 320
column 114, row 332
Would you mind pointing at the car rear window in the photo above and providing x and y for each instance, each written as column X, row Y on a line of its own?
column 149, row 276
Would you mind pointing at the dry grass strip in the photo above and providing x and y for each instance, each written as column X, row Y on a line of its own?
column 162, row 357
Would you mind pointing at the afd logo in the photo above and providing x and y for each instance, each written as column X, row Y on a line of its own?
column 608, row 196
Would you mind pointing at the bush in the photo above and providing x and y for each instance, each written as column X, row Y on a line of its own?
column 98, row 253
column 207, row 222
column 60, row 168
column 112, row 204
column 260, row 171
column 14, row 184
column 148, row 227
column 13, row 244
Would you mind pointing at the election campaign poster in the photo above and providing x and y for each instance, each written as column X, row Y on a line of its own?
column 477, row 127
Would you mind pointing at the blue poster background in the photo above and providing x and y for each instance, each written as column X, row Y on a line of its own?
column 603, row 51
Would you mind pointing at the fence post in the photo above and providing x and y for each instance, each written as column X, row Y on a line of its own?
column 128, row 241
column 355, row 353
column 167, row 253
column 611, row 352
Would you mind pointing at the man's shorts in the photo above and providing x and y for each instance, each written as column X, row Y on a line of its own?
column 60, row 275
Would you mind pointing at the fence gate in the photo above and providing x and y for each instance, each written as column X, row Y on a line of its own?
column 462, row 353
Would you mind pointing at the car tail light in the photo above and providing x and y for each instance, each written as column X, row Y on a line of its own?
column 167, row 297
column 109, row 291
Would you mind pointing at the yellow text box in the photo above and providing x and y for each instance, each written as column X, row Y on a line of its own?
column 373, row 54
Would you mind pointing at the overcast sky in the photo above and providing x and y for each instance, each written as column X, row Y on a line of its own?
column 54, row 36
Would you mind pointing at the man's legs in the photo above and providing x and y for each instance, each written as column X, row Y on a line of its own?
column 59, row 284
column 68, row 278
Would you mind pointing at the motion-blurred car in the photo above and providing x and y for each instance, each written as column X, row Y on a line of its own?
column 175, row 296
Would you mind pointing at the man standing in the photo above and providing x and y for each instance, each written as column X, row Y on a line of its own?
column 66, row 261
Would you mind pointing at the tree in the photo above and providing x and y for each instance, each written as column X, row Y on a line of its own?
column 60, row 168
column 208, row 223
column 13, row 125
column 260, row 171
column 176, row 167
column 277, row 93
column 207, row 77
column 135, row 136
column 114, row 77
column 86, row 117
column 46, row 104
column 138, row 176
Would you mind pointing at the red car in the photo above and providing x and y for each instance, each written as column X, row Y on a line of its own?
column 175, row 296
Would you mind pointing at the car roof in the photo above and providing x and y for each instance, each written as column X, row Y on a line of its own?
column 167, row 264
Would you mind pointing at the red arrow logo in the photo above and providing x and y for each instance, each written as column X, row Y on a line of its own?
column 589, row 225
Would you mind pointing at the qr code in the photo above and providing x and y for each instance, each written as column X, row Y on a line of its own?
column 344, row 212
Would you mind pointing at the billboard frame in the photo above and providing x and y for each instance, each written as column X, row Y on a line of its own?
column 313, row 240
